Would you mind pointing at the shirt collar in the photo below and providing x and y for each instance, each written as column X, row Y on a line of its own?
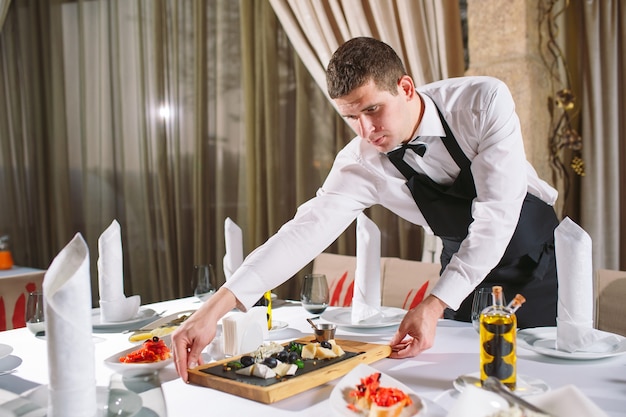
column 431, row 124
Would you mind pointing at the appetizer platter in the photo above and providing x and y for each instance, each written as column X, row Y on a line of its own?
column 307, row 364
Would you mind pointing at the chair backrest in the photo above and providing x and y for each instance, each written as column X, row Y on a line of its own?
column 339, row 271
column 404, row 283
column 407, row 283
column 15, row 284
column 610, row 301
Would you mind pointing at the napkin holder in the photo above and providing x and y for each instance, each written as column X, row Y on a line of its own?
column 244, row 332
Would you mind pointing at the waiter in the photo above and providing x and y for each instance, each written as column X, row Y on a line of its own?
column 448, row 156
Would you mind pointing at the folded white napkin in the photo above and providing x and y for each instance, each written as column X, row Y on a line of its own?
column 114, row 305
column 564, row 401
column 366, row 298
column 567, row 401
column 71, row 356
column 233, row 237
column 574, row 323
column 244, row 332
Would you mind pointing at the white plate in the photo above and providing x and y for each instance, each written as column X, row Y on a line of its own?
column 525, row 385
column 543, row 340
column 5, row 350
column 339, row 399
column 118, row 402
column 278, row 325
column 134, row 369
column 9, row 363
column 143, row 317
column 392, row 316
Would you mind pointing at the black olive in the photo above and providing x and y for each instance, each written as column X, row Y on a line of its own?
column 246, row 361
column 270, row 362
column 283, row 356
column 293, row 357
column 326, row 344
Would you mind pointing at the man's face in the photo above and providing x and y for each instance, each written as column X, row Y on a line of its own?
column 379, row 117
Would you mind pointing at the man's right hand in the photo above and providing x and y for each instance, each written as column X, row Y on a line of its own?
column 190, row 339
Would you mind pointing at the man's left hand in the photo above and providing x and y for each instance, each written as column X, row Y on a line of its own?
column 417, row 330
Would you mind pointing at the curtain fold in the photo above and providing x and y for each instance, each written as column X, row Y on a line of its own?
column 603, row 192
column 4, row 9
column 426, row 34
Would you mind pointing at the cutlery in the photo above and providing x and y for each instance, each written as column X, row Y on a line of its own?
column 493, row 384
column 312, row 324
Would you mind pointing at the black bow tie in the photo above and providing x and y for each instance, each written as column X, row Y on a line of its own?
column 398, row 154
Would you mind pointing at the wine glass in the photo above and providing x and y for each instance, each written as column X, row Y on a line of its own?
column 204, row 282
column 482, row 299
column 315, row 295
column 131, row 395
column 35, row 312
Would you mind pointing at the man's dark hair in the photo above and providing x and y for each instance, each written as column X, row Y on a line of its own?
column 362, row 59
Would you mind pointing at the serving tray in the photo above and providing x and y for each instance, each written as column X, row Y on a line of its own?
column 315, row 373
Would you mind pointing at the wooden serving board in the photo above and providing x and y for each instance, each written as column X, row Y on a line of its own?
column 279, row 389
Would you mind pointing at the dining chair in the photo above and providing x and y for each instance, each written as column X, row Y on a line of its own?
column 404, row 283
column 610, row 298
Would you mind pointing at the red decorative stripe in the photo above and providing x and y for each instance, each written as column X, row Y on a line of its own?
column 419, row 296
column 336, row 293
column 19, row 312
column 347, row 300
column 3, row 316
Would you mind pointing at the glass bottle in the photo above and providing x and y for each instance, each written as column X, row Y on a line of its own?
column 266, row 301
column 498, row 332
column 6, row 259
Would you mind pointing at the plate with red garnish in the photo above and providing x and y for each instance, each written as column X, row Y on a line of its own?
column 149, row 357
column 347, row 398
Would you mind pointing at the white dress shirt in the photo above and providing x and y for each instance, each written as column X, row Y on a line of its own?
column 481, row 114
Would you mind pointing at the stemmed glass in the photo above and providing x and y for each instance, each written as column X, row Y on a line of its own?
column 204, row 281
column 35, row 312
column 315, row 295
column 131, row 395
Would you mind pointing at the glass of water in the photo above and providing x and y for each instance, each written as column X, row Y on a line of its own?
column 204, row 281
column 483, row 298
column 315, row 295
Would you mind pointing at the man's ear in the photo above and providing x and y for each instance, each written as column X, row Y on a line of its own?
column 406, row 86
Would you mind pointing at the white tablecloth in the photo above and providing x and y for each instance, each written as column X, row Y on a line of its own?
column 429, row 375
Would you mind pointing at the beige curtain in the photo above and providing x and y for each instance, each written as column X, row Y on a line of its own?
column 427, row 36
column 603, row 189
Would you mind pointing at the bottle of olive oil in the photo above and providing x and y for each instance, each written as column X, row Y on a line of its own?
column 266, row 301
column 498, row 332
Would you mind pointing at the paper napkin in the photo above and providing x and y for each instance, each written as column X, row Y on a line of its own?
column 233, row 237
column 244, row 332
column 366, row 297
column 114, row 305
column 71, row 356
column 574, row 323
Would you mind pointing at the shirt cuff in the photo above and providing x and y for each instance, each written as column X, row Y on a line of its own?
column 452, row 291
column 246, row 291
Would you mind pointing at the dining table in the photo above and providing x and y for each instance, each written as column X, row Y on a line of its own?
column 433, row 375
